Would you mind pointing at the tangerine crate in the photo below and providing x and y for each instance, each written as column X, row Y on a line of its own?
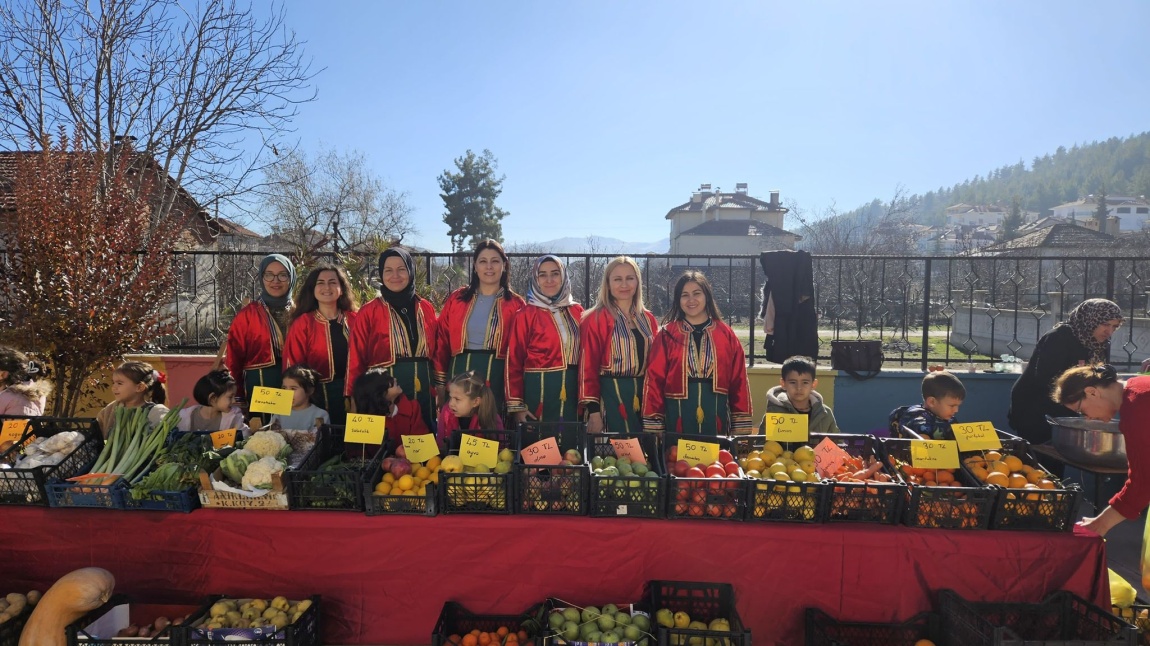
column 332, row 475
column 303, row 632
column 28, row 486
column 553, row 489
column 628, row 496
column 99, row 627
column 862, row 502
column 454, row 619
column 1048, row 510
column 479, row 492
column 966, row 505
column 706, row 498
column 771, row 500
column 381, row 504
column 81, row 494
column 702, row 602
column 1063, row 618
column 824, row 630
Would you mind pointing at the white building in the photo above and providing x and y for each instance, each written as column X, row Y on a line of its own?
column 717, row 223
column 976, row 215
column 1132, row 212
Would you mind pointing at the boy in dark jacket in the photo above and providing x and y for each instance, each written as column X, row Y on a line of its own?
column 942, row 394
column 796, row 394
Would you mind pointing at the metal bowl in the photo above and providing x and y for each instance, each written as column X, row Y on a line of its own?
column 1089, row 442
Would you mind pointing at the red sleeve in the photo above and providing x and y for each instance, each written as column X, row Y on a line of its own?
column 516, row 357
column 591, row 358
column 357, row 344
column 295, row 344
column 430, row 328
column 738, row 393
column 237, row 350
column 441, row 359
column 1135, row 412
column 654, row 384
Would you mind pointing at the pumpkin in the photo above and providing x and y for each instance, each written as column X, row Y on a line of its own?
column 73, row 595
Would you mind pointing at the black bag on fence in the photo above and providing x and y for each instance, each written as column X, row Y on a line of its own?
column 859, row 359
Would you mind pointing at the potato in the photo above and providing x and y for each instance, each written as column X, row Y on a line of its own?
column 130, row 631
column 4, row 616
column 34, row 597
column 161, row 623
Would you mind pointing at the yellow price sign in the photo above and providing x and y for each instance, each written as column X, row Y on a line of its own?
column 476, row 451
column 276, row 401
column 976, row 436
column 226, row 437
column 698, row 453
column 787, row 427
column 365, row 429
column 934, row 454
column 13, row 430
column 420, row 448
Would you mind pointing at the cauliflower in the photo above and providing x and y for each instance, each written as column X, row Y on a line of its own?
column 268, row 444
column 259, row 473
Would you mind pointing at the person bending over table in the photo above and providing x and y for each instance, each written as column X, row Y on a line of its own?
column 1096, row 393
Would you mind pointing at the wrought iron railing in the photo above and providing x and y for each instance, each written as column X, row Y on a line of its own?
column 966, row 310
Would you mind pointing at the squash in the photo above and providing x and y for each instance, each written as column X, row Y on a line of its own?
column 73, row 595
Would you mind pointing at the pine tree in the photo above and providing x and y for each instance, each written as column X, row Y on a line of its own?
column 1101, row 211
column 1012, row 221
column 469, row 197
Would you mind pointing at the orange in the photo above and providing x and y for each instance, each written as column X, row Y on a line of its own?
column 975, row 460
column 433, row 463
column 1018, row 481
column 1026, row 469
column 423, row 473
column 405, row 483
column 484, row 639
column 474, row 631
column 1013, row 462
column 979, row 473
column 1035, row 476
column 997, row 478
column 470, row 640
column 924, row 642
column 1000, row 467
column 1046, row 484
column 992, row 456
column 945, row 477
column 455, row 639
column 502, row 632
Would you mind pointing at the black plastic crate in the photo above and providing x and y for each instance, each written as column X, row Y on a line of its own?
column 968, row 506
column 553, row 490
column 706, row 498
column 771, row 500
column 1139, row 615
column 84, row 494
column 184, row 501
column 1049, row 510
column 638, row 635
column 701, row 601
column 824, row 630
column 376, row 504
column 10, row 630
column 313, row 487
column 27, row 486
column 304, row 632
column 479, row 493
column 1063, row 618
column 628, row 496
column 85, row 631
column 456, row 620
column 862, row 502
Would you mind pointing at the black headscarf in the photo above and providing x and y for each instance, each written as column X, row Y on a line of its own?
column 403, row 302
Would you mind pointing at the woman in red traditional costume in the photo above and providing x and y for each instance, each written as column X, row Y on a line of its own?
column 543, row 352
column 396, row 331
column 256, row 335
column 474, row 322
column 616, row 337
column 318, row 331
column 697, row 376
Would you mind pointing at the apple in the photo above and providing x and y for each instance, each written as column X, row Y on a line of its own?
column 573, row 456
column 695, row 472
column 681, row 468
column 725, row 456
column 673, row 454
column 714, row 470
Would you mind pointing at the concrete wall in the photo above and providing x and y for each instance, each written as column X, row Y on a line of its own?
column 981, row 328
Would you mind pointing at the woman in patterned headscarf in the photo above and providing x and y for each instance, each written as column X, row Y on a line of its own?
column 543, row 351
column 256, row 335
column 1082, row 339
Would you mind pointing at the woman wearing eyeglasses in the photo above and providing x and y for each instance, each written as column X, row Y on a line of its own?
column 1082, row 339
column 256, row 335
column 396, row 331
column 1096, row 393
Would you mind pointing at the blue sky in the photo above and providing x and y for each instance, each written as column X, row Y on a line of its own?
column 604, row 115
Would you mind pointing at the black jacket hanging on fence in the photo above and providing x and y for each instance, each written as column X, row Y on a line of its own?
column 789, row 290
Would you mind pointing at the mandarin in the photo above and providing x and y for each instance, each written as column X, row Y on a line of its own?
column 992, row 456
column 469, row 640
column 996, row 478
column 405, row 482
column 1017, row 481
column 1035, row 476
column 1013, row 462
column 1000, row 467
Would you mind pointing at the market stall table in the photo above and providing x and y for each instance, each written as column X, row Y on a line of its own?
column 384, row 578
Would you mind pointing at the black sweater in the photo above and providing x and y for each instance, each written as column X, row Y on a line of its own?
column 1030, row 400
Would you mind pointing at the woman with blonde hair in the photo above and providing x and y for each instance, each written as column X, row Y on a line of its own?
column 616, row 336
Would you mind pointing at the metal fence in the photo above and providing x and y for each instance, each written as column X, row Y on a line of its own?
column 925, row 309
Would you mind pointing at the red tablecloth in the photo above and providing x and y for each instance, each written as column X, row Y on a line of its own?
column 384, row 579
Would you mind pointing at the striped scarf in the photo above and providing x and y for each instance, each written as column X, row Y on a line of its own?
column 276, row 330
column 701, row 359
column 624, row 348
column 568, row 334
column 401, row 340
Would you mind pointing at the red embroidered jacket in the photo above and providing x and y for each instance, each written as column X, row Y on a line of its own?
column 667, row 376
column 452, row 329
column 535, row 344
column 595, row 332
column 370, row 345
column 249, row 343
column 308, row 343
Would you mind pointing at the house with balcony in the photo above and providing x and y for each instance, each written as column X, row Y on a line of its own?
column 714, row 222
column 1133, row 213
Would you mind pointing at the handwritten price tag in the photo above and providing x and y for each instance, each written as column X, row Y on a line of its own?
column 696, row 453
column 787, row 427
column 420, row 448
column 478, row 451
column 545, row 451
column 276, row 401
column 629, row 449
column 934, row 454
column 829, row 458
column 226, row 437
column 365, row 429
column 13, row 430
column 976, row 436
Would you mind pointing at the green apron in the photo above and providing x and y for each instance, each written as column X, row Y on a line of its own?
column 552, row 395
column 620, row 400
column 703, row 412
column 484, row 363
column 271, row 377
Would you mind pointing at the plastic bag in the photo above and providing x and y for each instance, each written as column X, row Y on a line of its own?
column 1144, row 563
column 1122, row 594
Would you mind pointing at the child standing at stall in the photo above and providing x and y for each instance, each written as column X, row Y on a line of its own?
column 796, row 394
column 376, row 392
column 942, row 394
column 304, row 414
column 135, row 384
column 470, row 406
column 215, row 395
